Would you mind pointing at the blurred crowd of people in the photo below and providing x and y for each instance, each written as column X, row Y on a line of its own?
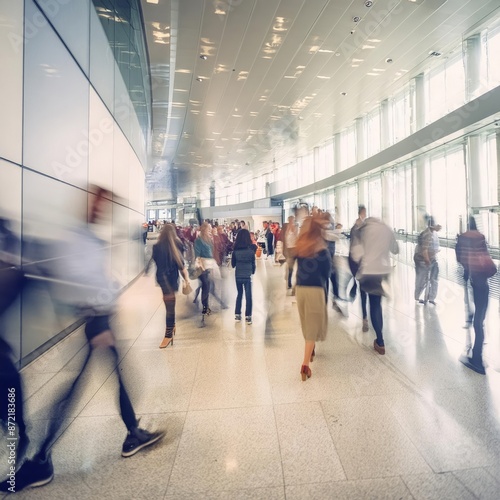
column 315, row 252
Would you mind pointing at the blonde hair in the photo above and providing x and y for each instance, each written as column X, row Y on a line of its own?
column 205, row 232
column 310, row 241
column 170, row 242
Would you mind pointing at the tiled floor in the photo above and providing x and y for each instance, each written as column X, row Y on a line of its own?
column 242, row 425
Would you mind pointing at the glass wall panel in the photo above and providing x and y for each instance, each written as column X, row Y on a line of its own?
column 102, row 61
column 135, row 197
column 50, row 210
column 62, row 15
column 11, row 95
column 56, row 102
column 101, row 136
column 121, row 160
column 10, row 244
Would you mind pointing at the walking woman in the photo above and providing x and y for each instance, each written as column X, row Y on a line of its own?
column 167, row 254
column 472, row 253
column 313, row 271
column 243, row 259
column 204, row 251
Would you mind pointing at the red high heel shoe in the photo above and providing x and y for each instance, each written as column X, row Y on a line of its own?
column 305, row 372
column 313, row 354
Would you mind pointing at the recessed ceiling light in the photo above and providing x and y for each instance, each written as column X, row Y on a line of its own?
column 199, row 79
column 343, row 93
column 204, row 57
column 356, row 19
column 368, row 3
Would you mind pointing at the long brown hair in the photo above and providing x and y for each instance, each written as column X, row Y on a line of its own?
column 169, row 241
column 205, row 233
column 310, row 241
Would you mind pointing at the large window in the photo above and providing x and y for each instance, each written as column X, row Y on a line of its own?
column 401, row 115
column 348, row 147
column 493, row 55
column 375, row 197
column 445, row 88
column 448, row 191
column 372, row 136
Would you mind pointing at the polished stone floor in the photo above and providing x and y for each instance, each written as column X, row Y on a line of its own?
column 241, row 424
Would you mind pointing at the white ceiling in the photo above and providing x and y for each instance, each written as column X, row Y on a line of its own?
column 273, row 78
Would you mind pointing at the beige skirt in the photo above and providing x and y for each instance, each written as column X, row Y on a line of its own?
column 311, row 304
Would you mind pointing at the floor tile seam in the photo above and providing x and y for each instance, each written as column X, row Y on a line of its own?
column 464, row 485
column 411, row 440
column 139, row 414
column 279, row 447
column 490, row 474
column 332, row 440
column 225, row 408
column 194, row 379
column 406, row 486
column 342, row 481
column 175, row 455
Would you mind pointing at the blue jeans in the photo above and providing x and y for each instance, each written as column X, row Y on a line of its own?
column 244, row 283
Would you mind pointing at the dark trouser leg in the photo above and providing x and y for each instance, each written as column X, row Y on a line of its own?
column 205, row 287
column 480, row 290
column 270, row 247
column 169, row 300
column 239, row 297
column 376, row 316
column 335, row 285
column 363, row 303
column 126, row 409
column 248, row 296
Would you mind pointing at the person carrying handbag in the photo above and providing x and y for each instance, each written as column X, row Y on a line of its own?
column 472, row 254
column 167, row 254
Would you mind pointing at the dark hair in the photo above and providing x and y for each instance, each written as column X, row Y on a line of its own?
column 472, row 223
column 243, row 239
column 360, row 208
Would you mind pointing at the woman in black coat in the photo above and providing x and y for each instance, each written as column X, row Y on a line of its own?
column 167, row 254
column 243, row 259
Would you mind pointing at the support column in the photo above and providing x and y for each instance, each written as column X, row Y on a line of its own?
column 475, row 163
column 422, row 190
column 473, row 85
column 419, row 102
column 336, row 154
column 212, row 194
